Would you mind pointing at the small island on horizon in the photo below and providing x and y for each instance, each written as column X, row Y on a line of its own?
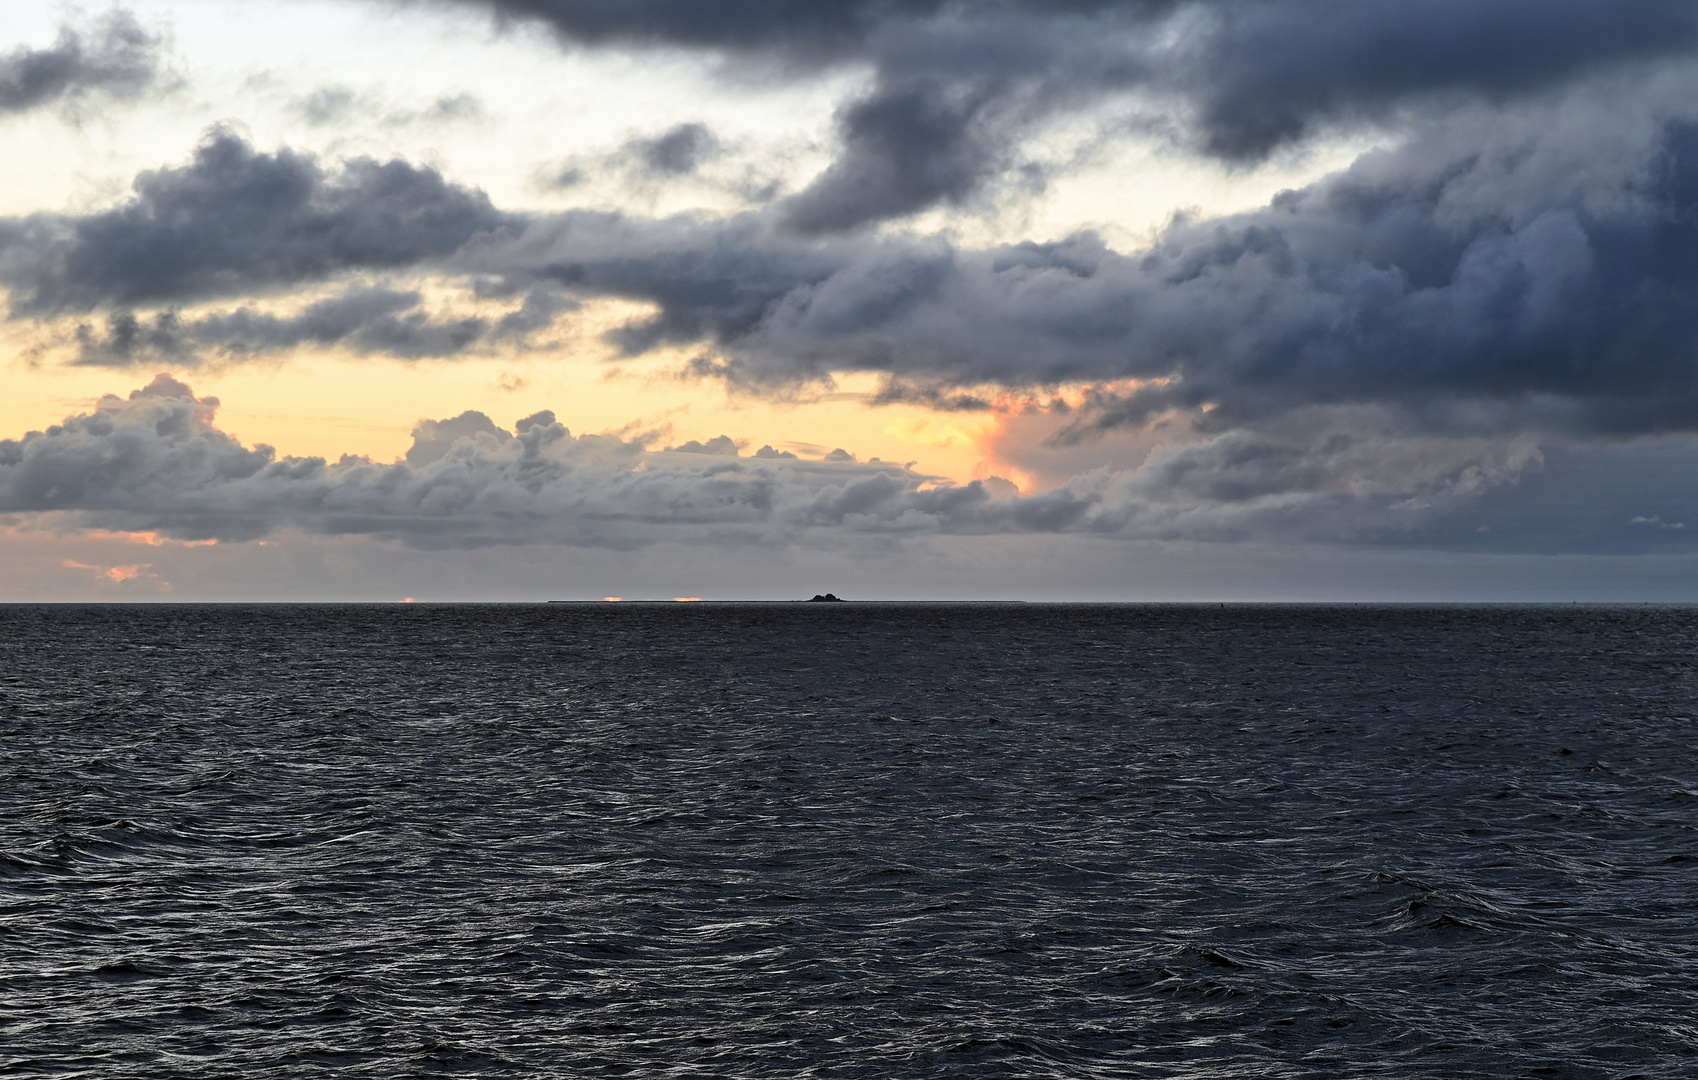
column 825, row 598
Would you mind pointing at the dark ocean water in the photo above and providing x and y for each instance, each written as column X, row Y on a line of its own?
column 848, row 841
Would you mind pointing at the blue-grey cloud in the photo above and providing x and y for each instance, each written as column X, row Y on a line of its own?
column 115, row 56
column 907, row 147
column 818, row 28
column 646, row 163
column 678, row 151
column 369, row 320
column 234, row 221
column 129, row 339
column 959, row 85
column 1265, row 73
column 366, row 319
column 1527, row 270
column 1522, row 270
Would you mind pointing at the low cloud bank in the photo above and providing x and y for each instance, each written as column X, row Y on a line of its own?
column 156, row 462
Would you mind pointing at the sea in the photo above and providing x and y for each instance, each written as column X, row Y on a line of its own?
column 849, row 840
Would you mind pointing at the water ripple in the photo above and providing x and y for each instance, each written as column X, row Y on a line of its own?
column 865, row 840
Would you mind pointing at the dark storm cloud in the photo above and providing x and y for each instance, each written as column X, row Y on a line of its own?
column 115, row 56
column 238, row 220
column 714, row 280
column 1501, row 271
column 1264, row 74
column 959, row 84
column 1531, row 269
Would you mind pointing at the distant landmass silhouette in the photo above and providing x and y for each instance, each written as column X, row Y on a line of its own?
column 827, row 598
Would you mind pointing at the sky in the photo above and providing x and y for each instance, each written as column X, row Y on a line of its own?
column 897, row 299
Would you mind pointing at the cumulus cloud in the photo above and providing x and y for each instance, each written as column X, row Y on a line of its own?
column 156, row 462
column 236, row 220
column 114, row 55
column 720, row 444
